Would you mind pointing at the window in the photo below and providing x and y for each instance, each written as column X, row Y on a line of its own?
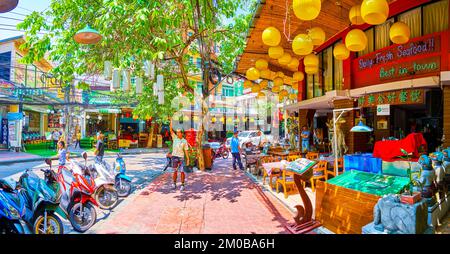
column 370, row 42
column 413, row 19
column 328, row 69
column 435, row 17
column 309, row 86
column 31, row 76
column 382, row 39
column 338, row 74
column 19, row 71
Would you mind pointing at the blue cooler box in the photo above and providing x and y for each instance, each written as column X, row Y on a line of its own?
column 362, row 162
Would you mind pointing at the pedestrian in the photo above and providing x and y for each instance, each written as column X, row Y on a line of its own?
column 77, row 139
column 62, row 153
column 262, row 139
column 305, row 139
column 179, row 151
column 236, row 151
column 99, row 148
column 55, row 138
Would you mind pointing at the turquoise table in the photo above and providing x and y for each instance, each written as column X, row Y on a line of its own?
column 375, row 184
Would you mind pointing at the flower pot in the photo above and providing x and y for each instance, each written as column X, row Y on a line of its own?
column 410, row 199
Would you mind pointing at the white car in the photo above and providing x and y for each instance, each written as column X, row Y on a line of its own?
column 250, row 136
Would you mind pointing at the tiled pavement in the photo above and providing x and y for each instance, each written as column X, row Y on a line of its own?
column 220, row 201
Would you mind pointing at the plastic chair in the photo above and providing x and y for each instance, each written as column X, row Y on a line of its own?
column 340, row 168
column 320, row 172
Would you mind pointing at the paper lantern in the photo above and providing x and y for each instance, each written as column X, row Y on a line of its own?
column 252, row 74
column 317, row 35
column 263, row 84
column 276, row 52
column 278, row 81
column 261, row 64
column 399, row 33
column 247, row 84
column 311, row 70
column 302, row 45
column 275, row 89
column 256, row 88
column 87, row 35
column 311, row 60
column 260, row 95
column 280, row 74
column 298, row 76
column 294, row 63
column 271, row 36
column 355, row 15
column 356, row 40
column 149, row 69
column 107, row 70
column 307, row 9
column 284, row 92
column 252, row 120
column 374, row 12
column 285, row 59
column 265, row 74
column 8, row 5
column 195, row 118
column 341, row 52
column 287, row 80
column 293, row 96
column 139, row 85
column 126, row 81
column 115, row 84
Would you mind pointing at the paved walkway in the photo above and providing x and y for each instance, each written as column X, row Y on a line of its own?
column 12, row 157
column 220, row 201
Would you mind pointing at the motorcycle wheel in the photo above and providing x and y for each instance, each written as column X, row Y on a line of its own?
column 225, row 154
column 123, row 187
column 82, row 221
column 106, row 198
column 54, row 225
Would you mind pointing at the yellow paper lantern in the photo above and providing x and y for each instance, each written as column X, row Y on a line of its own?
column 195, row 118
column 355, row 15
column 263, row 84
column 294, row 63
column 374, row 12
column 260, row 95
column 341, row 52
column 276, row 52
column 284, row 92
column 213, row 119
column 261, row 64
column 307, row 9
column 271, row 36
column 356, row 40
column 278, row 81
column 292, row 96
column 311, row 70
column 287, row 80
column 222, row 119
column 399, row 33
column 275, row 89
column 285, row 59
column 317, row 35
column 280, row 74
column 256, row 88
column 247, row 84
column 265, row 74
column 302, row 45
column 298, row 76
column 311, row 60
column 252, row 74
column 186, row 118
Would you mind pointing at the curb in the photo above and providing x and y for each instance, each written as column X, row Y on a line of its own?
column 2, row 163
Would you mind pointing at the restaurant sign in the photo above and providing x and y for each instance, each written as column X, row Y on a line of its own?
column 400, row 97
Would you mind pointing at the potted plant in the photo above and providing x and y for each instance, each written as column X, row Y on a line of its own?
column 409, row 196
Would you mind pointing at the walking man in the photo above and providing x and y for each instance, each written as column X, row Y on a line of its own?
column 236, row 151
column 179, row 151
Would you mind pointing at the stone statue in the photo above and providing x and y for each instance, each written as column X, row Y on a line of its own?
column 342, row 147
column 292, row 127
column 390, row 215
column 426, row 178
column 438, row 158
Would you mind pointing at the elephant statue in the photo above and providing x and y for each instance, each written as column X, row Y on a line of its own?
column 426, row 179
column 395, row 217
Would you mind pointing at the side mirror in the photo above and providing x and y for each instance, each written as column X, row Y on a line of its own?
column 84, row 154
column 48, row 162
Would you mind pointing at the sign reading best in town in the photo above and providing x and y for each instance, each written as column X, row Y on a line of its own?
column 419, row 57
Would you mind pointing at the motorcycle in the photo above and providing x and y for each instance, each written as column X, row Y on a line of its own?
column 12, row 209
column 77, row 194
column 105, row 193
column 42, row 197
column 122, row 181
column 221, row 151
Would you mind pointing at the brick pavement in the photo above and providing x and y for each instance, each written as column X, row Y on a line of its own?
column 220, row 201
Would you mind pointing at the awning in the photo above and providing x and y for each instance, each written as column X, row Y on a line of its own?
column 322, row 102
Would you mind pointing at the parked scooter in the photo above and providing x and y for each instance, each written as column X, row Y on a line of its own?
column 43, row 198
column 12, row 209
column 122, row 181
column 105, row 193
column 77, row 194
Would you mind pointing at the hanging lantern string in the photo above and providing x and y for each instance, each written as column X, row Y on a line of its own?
column 287, row 20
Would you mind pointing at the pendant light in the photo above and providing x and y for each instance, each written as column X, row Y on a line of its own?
column 399, row 33
column 263, row 84
column 307, row 9
column 252, row 74
column 298, row 76
column 361, row 127
column 355, row 15
column 278, row 81
column 317, row 35
column 8, row 5
column 285, row 59
column 341, row 52
column 276, row 52
column 87, row 35
column 302, row 45
column 261, row 64
column 294, row 63
column 356, row 40
column 256, row 88
column 265, row 74
column 311, row 61
column 247, row 84
column 271, row 36
column 374, row 12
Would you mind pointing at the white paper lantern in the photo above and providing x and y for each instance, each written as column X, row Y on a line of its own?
column 115, row 84
column 160, row 88
column 149, row 69
column 108, row 70
column 126, row 80
column 139, row 85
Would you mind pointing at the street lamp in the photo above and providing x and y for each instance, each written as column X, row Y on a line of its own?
column 360, row 127
column 87, row 35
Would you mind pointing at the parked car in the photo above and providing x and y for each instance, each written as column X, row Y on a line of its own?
column 250, row 136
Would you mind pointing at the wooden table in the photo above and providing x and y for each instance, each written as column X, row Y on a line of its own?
column 283, row 155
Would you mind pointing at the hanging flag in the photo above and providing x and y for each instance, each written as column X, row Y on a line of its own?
column 126, row 80
column 115, row 84
column 149, row 69
column 139, row 85
column 108, row 70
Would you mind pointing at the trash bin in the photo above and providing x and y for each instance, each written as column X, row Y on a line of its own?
column 207, row 156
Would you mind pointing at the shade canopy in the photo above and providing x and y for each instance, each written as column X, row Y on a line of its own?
column 361, row 127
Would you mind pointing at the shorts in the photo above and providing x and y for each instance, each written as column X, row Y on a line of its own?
column 178, row 163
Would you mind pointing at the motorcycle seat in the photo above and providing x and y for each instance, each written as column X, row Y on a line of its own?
column 7, row 185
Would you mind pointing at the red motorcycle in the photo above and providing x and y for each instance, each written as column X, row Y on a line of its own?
column 222, row 151
column 78, row 188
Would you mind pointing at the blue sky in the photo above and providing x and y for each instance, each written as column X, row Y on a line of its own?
column 25, row 7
